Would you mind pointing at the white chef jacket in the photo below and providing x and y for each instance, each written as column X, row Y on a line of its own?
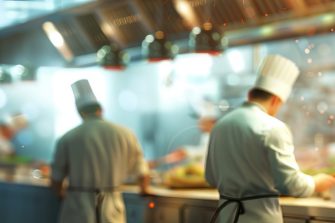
column 252, row 153
column 96, row 155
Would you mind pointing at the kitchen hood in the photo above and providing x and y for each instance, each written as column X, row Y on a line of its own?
column 86, row 28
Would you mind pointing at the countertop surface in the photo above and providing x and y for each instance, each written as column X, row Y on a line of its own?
column 203, row 193
column 211, row 194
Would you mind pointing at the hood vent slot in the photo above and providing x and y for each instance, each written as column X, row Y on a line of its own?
column 90, row 26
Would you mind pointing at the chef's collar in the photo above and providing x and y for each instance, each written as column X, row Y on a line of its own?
column 92, row 117
column 257, row 104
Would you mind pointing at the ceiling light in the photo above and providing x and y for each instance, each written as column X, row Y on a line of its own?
column 112, row 57
column 157, row 48
column 57, row 40
column 205, row 40
column 24, row 73
column 236, row 61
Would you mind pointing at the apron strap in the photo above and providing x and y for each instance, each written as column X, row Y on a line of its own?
column 240, row 207
column 99, row 197
column 93, row 190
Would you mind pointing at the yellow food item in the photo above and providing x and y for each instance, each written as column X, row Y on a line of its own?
column 188, row 176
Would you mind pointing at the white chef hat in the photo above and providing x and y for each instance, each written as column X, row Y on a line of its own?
column 83, row 94
column 277, row 75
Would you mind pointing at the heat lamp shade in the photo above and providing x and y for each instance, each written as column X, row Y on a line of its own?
column 112, row 57
column 205, row 40
column 158, row 48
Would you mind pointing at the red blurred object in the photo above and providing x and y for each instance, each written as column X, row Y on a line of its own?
column 6, row 131
column 211, row 52
column 154, row 60
column 173, row 157
column 151, row 204
column 118, row 68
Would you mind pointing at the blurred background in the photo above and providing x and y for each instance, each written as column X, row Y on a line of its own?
column 211, row 52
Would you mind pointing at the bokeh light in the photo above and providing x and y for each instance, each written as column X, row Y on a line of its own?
column 128, row 100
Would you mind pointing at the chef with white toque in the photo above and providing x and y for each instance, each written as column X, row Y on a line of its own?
column 250, row 156
column 96, row 157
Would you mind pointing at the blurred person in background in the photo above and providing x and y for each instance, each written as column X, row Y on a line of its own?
column 251, row 153
column 206, row 111
column 95, row 157
column 187, row 162
column 9, row 127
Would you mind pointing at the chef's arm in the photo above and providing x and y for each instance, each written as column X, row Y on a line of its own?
column 59, row 169
column 144, row 183
column 288, row 178
column 57, row 187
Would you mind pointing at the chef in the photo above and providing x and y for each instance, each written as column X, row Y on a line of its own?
column 207, row 113
column 95, row 157
column 251, row 153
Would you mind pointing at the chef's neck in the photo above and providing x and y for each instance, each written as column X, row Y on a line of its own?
column 271, row 106
column 96, row 114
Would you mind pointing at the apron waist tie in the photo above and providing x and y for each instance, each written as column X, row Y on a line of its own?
column 93, row 190
column 99, row 197
column 240, row 207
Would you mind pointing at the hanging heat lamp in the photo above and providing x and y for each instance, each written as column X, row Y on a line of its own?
column 111, row 57
column 24, row 72
column 206, row 40
column 5, row 76
column 156, row 48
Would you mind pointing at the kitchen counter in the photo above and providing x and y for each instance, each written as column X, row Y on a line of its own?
column 205, row 201
column 23, row 176
column 211, row 194
column 34, row 192
column 159, row 191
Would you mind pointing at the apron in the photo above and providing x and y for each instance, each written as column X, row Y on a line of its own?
column 92, row 205
column 240, row 207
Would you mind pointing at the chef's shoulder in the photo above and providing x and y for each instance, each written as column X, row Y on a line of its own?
column 271, row 122
column 121, row 130
column 277, row 132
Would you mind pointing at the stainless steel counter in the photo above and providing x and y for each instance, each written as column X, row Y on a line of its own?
column 185, row 201
column 313, row 209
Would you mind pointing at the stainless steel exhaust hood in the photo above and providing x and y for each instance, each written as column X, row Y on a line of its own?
column 88, row 27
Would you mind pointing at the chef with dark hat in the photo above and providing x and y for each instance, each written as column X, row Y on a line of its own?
column 251, row 153
column 95, row 157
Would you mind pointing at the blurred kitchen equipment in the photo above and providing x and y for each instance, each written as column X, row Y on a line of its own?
column 172, row 157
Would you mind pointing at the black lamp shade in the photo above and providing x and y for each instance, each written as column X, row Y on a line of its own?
column 28, row 73
column 112, row 57
column 205, row 40
column 5, row 76
column 157, row 48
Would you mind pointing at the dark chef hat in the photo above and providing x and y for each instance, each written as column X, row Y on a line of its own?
column 83, row 94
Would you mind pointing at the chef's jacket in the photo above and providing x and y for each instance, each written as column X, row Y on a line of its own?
column 96, row 155
column 251, row 153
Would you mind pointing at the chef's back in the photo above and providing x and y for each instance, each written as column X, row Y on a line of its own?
column 95, row 157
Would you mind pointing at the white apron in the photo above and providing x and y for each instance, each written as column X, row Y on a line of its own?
column 81, row 207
